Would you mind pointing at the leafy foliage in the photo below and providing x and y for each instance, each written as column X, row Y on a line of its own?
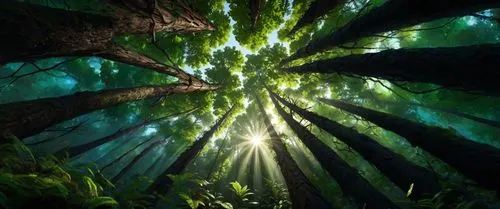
column 270, row 18
column 27, row 183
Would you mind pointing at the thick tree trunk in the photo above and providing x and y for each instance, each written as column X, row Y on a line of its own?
column 36, row 31
column 480, row 162
column 317, row 9
column 136, row 159
column 163, row 183
column 302, row 192
column 470, row 68
column 28, row 118
column 347, row 177
column 124, row 154
column 393, row 15
column 77, row 150
column 399, row 170
column 172, row 15
column 477, row 119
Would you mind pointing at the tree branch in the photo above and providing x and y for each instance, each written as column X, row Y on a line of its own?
column 16, row 77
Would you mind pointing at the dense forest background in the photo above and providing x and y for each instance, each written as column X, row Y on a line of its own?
column 249, row 104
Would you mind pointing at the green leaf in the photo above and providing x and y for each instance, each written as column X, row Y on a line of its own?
column 100, row 202
column 410, row 190
column 225, row 205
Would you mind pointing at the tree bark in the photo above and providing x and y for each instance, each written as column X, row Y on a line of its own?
column 477, row 119
column 470, row 68
column 77, row 150
column 136, row 159
column 479, row 162
column 352, row 184
column 317, row 9
column 37, row 31
column 123, row 55
column 399, row 170
column 163, row 183
column 393, row 15
column 302, row 193
column 27, row 118
column 124, row 154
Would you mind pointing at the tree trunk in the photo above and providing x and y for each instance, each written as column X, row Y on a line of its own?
column 43, row 32
column 154, row 165
column 479, row 162
column 317, row 9
column 37, row 31
column 124, row 154
column 216, row 159
column 163, row 183
column 77, row 150
column 302, row 192
column 136, row 159
column 255, row 8
column 470, row 69
column 27, row 118
column 480, row 120
column 348, row 178
column 393, row 15
column 99, row 160
column 123, row 55
column 399, row 170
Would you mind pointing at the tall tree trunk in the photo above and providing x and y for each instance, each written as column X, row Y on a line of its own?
column 216, row 159
column 348, row 178
column 163, row 183
column 124, row 154
column 37, row 31
column 28, row 118
column 136, row 159
column 480, row 162
column 255, row 8
column 154, row 165
column 127, row 56
column 77, row 150
column 477, row 119
column 399, row 170
column 393, row 15
column 302, row 192
column 317, row 9
column 99, row 160
column 470, row 69
column 42, row 32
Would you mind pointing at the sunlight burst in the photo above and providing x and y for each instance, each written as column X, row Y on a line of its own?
column 256, row 140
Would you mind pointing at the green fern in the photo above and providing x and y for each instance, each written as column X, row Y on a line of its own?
column 26, row 182
column 101, row 202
